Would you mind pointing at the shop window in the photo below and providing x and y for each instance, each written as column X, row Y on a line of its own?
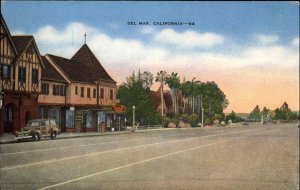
column 54, row 114
column 70, row 119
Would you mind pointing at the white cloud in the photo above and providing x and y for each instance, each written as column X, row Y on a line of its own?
column 120, row 55
column 295, row 42
column 243, row 67
column 189, row 39
column 267, row 39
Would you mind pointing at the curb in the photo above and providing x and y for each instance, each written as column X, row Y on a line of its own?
column 91, row 135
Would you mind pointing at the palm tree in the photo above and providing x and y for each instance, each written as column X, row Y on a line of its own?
column 173, row 82
column 186, row 91
column 161, row 77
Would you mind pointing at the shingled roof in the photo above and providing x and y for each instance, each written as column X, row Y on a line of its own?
column 77, row 71
column 50, row 73
column 156, row 99
column 85, row 56
column 21, row 42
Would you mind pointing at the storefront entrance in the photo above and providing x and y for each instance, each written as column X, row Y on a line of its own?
column 10, row 110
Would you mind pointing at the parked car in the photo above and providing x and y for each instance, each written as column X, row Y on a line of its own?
column 37, row 128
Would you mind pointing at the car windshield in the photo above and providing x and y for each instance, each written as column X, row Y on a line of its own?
column 35, row 124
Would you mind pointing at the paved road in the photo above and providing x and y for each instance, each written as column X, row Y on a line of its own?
column 216, row 158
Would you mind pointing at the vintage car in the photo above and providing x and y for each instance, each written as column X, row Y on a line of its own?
column 37, row 128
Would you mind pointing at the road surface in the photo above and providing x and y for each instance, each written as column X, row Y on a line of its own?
column 245, row 157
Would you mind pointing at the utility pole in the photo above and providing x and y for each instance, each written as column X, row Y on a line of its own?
column 202, row 111
column 202, row 117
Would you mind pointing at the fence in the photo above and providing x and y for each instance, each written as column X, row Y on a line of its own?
column 149, row 127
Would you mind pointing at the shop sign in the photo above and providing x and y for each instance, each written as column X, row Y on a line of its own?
column 78, row 115
column 118, row 108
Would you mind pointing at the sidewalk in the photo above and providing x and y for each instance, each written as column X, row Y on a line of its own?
column 10, row 138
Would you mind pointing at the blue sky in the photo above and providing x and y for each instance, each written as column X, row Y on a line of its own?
column 257, row 41
column 229, row 18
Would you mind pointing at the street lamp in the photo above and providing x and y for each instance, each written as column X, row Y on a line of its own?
column 133, row 116
column 202, row 116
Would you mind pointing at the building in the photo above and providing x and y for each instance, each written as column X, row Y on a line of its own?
column 77, row 92
column 169, row 107
column 155, row 97
column 20, row 80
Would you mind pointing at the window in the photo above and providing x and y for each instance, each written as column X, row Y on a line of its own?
column 59, row 90
column 22, row 74
column 111, row 94
column 52, row 122
column 102, row 93
column 35, row 124
column 5, row 72
column 94, row 93
column 76, row 90
column 35, row 76
column 88, row 92
column 62, row 90
column 45, row 88
column 82, row 92
column 55, row 90
column 43, row 112
column 43, row 123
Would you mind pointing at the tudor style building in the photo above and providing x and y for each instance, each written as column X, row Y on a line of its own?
column 77, row 92
column 20, row 79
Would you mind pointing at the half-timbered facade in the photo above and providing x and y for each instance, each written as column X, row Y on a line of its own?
column 20, row 79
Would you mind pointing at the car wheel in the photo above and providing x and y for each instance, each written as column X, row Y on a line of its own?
column 53, row 135
column 36, row 137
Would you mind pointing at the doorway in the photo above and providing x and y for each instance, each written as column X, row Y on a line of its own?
column 9, row 118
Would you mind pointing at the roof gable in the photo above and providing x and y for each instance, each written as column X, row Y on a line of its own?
column 50, row 72
column 85, row 56
column 8, row 35
column 23, row 42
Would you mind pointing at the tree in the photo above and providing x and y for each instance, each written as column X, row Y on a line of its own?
column 285, row 113
column 265, row 114
column 136, row 92
column 147, row 78
column 214, row 99
column 173, row 82
column 233, row 117
column 161, row 77
column 186, row 90
column 255, row 114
